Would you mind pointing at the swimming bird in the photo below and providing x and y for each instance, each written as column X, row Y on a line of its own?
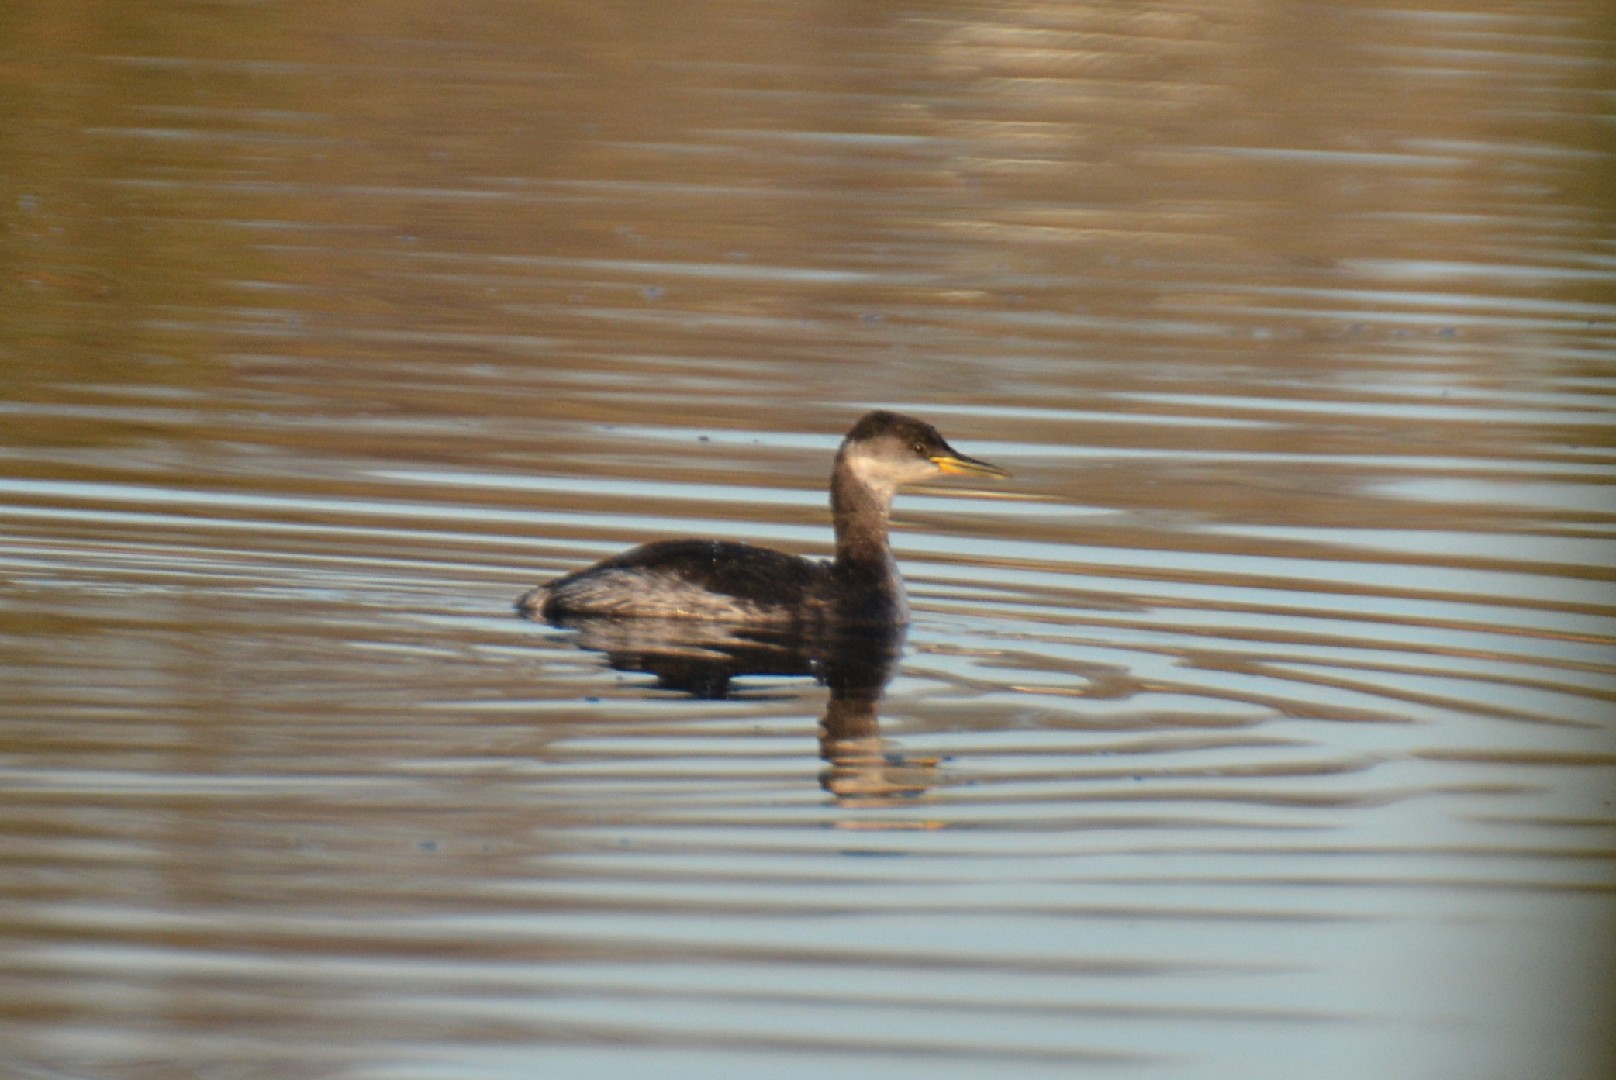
column 725, row 580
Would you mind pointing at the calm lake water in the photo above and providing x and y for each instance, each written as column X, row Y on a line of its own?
column 1263, row 726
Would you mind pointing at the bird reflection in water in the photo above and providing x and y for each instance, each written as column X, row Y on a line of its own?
column 702, row 658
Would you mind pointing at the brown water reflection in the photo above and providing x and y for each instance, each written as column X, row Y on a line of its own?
column 1263, row 727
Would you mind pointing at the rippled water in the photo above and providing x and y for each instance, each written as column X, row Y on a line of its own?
column 1261, row 727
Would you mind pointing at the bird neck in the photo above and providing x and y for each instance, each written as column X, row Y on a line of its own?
column 860, row 510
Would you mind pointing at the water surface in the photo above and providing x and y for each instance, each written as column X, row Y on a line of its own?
column 1261, row 727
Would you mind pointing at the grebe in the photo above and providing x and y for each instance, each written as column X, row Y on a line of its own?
column 723, row 580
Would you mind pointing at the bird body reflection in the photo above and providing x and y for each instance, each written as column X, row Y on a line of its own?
column 854, row 663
